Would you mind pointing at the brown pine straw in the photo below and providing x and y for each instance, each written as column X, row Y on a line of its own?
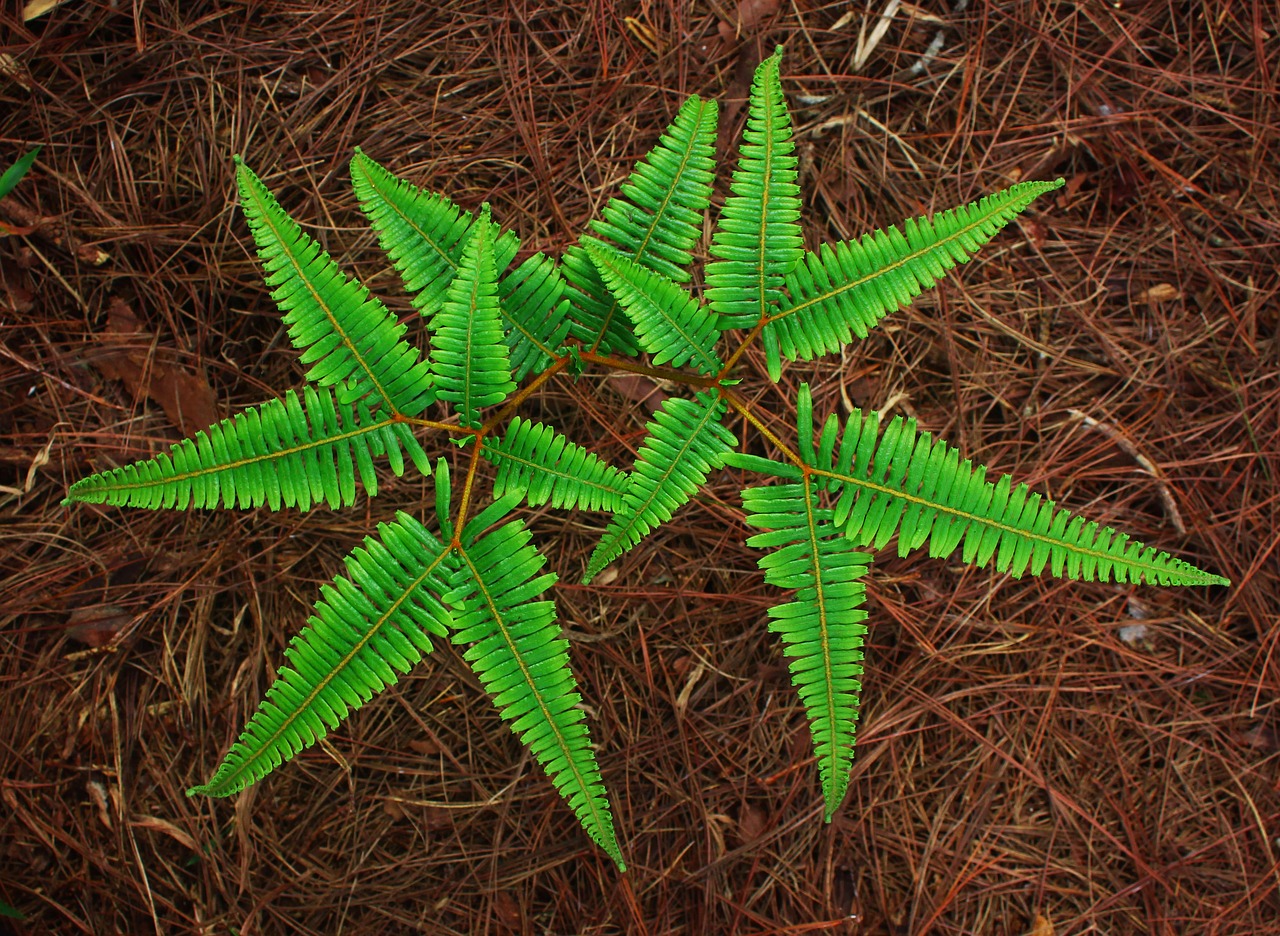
column 1090, row 758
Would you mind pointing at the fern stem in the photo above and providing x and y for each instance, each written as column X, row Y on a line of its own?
column 657, row 373
column 744, row 409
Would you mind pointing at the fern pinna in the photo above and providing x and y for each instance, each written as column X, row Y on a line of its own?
column 471, row 574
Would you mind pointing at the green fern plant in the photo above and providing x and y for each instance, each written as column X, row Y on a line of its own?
column 471, row 575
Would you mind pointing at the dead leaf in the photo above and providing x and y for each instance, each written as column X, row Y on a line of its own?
column 752, row 823
column 641, row 389
column 1161, row 292
column 36, row 8
column 186, row 398
column 98, row 625
column 165, row 827
column 507, row 910
column 1036, row 232
column 1041, row 927
column 424, row 746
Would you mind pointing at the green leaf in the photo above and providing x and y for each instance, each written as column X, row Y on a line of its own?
column 844, row 290
column 523, row 661
column 670, row 324
column 821, row 627
column 758, row 238
column 367, row 630
column 423, row 233
column 546, row 466
column 15, row 173
column 468, row 353
column 685, row 442
column 657, row 221
column 280, row 453
column 897, row 481
column 348, row 337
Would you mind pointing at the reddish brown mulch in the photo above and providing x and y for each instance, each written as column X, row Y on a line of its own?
column 1034, row 756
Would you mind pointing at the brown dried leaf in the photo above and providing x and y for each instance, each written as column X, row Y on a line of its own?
column 507, row 910
column 641, row 389
column 1161, row 292
column 752, row 823
column 1041, row 927
column 97, row 626
column 167, row 828
column 186, row 398
column 424, row 746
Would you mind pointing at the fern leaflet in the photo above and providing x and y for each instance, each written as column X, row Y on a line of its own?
column 845, row 290
column 895, row 481
column 348, row 337
column 523, row 661
column 468, row 355
column 656, row 222
column 670, row 324
column 685, row 441
column 367, row 630
column 280, row 453
column 758, row 240
column 546, row 466
column 822, row 626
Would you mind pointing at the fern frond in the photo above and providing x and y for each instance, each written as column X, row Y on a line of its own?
column 468, row 353
column 670, row 324
column 845, row 290
column 758, row 239
column 280, row 453
column 657, row 221
column 523, row 661
column 893, row 480
column 534, row 313
column 423, row 233
column 685, row 441
column 368, row 629
column 348, row 337
column 821, row 626
column 546, row 466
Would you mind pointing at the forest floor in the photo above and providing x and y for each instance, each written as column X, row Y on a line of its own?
column 1034, row 756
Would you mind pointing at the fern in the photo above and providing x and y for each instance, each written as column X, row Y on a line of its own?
column 282, row 453
column 657, row 223
column 685, row 442
column 538, row 461
column 822, row 626
column 758, row 239
column 367, row 629
column 845, row 289
column 523, row 661
column 469, row 357
column 349, row 337
column 478, row 580
column 898, row 482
